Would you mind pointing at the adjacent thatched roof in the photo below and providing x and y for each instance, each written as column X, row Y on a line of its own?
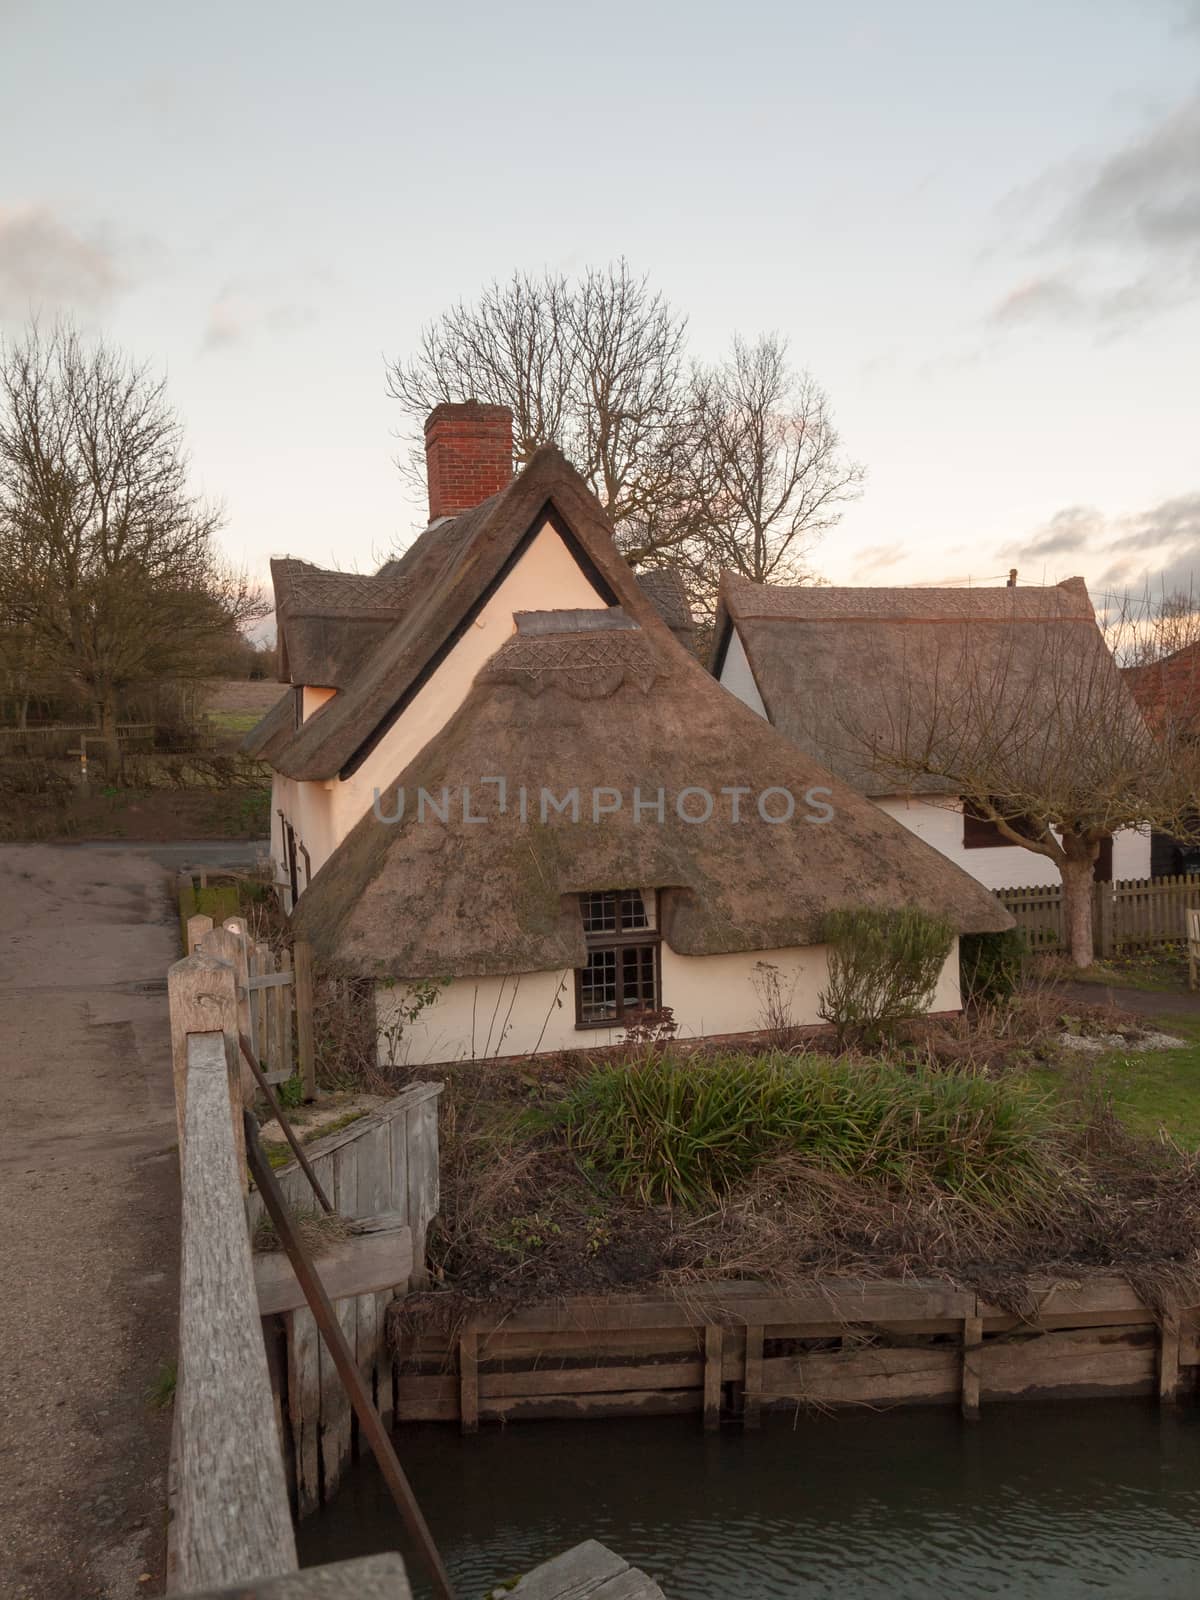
column 609, row 708
column 268, row 737
column 668, row 595
column 826, row 659
column 447, row 575
column 330, row 622
column 1168, row 691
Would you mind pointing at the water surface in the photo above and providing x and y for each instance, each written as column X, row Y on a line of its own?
column 1061, row 1502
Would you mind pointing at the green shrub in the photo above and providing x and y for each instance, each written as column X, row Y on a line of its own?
column 883, row 967
column 990, row 965
column 685, row 1132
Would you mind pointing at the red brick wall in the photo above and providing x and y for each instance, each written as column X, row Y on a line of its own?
column 468, row 454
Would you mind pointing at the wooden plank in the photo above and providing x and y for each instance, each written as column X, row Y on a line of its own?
column 375, row 1169
column 363, row 1578
column 384, row 1366
column 1106, row 1361
column 228, row 1442
column 366, row 1351
column 468, row 1381
column 267, row 978
column 1168, row 1359
column 335, row 1405
column 972, row 1338
column 501, row 1345
column 304, row 1405
column 228, row 946
column 423, row 1180
column 752, row 1385
column 362, row 1264
column 864, row 1377
column 202, row 998
column 419, row 1407
column 712, row 1375
column 344, row 1193
column 589, row 1569
column 306, row 1056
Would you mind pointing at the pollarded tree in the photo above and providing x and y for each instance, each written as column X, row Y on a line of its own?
column 1021, row 712
column 107, row 565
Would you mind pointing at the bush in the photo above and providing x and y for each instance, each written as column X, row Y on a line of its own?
column 990, row 965
column 686, row 1132
column 883, row 968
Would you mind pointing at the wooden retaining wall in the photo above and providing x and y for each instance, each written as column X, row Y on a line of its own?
column 739, row 1349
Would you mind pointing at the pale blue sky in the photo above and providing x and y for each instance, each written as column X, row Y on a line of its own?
column 978, row 225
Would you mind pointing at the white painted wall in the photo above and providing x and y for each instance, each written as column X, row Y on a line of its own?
column 546, row 578
column 737, row 676
column 940, row 824
column 534, row 1012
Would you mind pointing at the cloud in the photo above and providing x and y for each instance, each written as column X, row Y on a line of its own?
column 244, row 308
column 874, row 556
column 44, row 262
column 1124, row 236
column 1154, row 551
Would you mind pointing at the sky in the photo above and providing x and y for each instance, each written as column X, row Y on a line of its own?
column 978, row 226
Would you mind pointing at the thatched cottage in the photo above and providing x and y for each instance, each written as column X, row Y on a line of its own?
column 845, row 671
column 507, row 791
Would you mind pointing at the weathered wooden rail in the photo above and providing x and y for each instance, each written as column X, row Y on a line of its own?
column 740, row 1349
column 1131, row 914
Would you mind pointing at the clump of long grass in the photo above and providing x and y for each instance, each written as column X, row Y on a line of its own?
column 685, row 1133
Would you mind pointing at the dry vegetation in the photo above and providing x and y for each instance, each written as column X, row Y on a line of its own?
column 998, row 1158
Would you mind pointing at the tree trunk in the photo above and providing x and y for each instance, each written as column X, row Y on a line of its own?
column 1077, row 908
column 107, row 708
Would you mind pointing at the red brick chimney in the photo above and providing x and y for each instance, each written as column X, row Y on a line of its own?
column 468, row 455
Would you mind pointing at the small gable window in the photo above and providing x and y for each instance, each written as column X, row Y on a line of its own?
column 622, row 977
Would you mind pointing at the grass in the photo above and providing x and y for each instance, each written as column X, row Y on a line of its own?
column 160, row 1395
column 686, row 1133
column 1157, row 1089
column 1161, row 970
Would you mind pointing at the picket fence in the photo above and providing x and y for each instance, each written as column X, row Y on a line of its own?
column 1129, row 914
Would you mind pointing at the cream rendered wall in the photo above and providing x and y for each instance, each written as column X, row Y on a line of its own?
column 314, row 698
column 737, row 676
column 546, row 578
column 941, row 825
column 534, row 1012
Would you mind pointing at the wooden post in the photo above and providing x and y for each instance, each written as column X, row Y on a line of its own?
column 972, row 1343
column 237, row 926
column 197, row 928
column 1168, row 1358
column 303, row 985
column 468, row 1380
column 752, row 1408
column 264, row 965
column 283, row 1016
column 228, row 945
column 202, row 998
column 713, row 1349
column 304, row 1405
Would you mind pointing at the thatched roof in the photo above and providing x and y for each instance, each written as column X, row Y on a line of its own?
column 835, row 666
column 330, row 622
column 268, row 737
column 668, row 595
column 446, row 577
column 1168, row 691
column 617, row 706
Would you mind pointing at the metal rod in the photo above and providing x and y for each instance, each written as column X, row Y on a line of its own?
column 369, row 1419
column 289, row 1134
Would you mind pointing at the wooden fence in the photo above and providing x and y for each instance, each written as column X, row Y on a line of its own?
column 62, row 739
column 1130, row 914
column 277, row 1005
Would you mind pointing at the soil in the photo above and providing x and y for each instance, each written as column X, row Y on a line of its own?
column 155, row 815
column 89, row 1190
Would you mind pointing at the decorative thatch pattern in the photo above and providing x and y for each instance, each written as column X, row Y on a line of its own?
column 668, row 595
column 330, row 622
column 425, row 898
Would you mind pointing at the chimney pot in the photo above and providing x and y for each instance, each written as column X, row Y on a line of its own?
column 468, row 455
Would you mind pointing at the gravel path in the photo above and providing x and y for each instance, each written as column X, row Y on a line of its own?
column 89, row 1197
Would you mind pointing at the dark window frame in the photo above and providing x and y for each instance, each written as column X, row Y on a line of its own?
column 621, row 940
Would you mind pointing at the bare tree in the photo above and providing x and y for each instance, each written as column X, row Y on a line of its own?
column 107, row 567
column 768, row 476
column 1033, row 728
column 738, row 465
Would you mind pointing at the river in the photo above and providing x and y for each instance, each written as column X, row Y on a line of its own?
column 1059, row 1502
